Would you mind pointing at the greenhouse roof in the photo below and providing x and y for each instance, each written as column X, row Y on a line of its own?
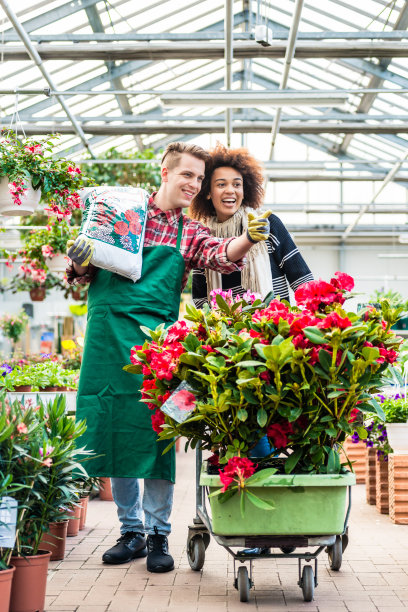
column 114, row 60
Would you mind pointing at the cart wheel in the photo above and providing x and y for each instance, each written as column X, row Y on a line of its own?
column 336, row 554
column 308, row 583
column 243, row 584
column 196, row 553
column 288, row 549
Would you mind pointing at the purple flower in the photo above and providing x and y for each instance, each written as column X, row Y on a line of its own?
column 355, row 438
column 6, row 369
column 370, row 443
column 381, row 398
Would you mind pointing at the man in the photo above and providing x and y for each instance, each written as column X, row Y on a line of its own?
column 118, row 425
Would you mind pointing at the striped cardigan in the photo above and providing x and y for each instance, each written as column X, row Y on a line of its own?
column 287, row 266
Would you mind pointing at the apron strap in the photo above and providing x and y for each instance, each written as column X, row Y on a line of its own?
column 180, row 232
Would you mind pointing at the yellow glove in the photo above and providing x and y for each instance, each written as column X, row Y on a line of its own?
column 258, row 227
column 80, row 250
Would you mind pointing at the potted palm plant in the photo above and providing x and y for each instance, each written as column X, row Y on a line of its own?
column 28, row 173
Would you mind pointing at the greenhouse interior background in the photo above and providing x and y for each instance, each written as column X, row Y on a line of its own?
column 317, row 91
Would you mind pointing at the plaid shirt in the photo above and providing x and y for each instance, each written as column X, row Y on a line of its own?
column 198, row 247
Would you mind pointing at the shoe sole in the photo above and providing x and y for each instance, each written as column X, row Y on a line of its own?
column 160, row 569
column 137, row 555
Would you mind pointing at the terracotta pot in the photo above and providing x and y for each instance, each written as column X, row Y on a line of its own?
column 105, row 490
column 382, row 497
column 6, row 577
column 55, row 540
column 371, row 460
column 38, row 294
column 73, row 523
column 29, row 200
column 22, row 388
column 29, row 582
column 84, row 508
column 50, row 389
column 76, row 295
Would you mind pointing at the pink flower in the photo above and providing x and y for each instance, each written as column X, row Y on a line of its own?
column 177, row 332
column 22, row 428
column 121, row 228
column 334, row 320
column 342, row 281
column 185, row 400
column 47, row 250
column 236, row 470
column 318, row 293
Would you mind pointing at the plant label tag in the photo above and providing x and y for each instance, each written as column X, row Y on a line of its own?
column 8, row 520
column 181, row 403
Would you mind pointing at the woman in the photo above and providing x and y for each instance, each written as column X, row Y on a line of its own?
column 232, row 190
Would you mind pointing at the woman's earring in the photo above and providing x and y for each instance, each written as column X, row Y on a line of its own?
column 208, row 197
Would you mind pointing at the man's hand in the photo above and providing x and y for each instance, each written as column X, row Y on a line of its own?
column 258, row 227
column 80, row 250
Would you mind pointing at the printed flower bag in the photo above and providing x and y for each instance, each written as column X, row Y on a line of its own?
column 115, row 219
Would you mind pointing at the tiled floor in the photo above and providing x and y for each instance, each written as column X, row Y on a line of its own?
column 374, row 574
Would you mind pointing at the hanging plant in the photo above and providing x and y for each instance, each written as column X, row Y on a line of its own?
column 27, row 165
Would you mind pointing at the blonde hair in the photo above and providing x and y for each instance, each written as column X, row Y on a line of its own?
column 175, row 150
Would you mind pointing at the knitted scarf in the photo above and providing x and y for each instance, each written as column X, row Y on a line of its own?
column 256, row 275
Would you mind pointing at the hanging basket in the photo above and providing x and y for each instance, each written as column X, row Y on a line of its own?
column 398, row 437
column 37, row 294
column 29, row 200
column 57, row 264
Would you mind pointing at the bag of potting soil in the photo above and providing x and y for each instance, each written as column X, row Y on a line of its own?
column 115, row 219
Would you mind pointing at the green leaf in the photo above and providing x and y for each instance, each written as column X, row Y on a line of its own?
column 377, row 407
column 325, row 359
column 333, row 462
column 249, row 396
column 261, row 477
column 258, row 502
column 292, row 461
column 217, row 362
column 242, row 414
column 261, row 417
column 242, row 503
column 222, row 304
column 314, row 335
column 362, row 432
column 133, row 368
column 251, row 364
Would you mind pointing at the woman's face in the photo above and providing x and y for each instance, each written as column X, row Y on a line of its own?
column 226, row 191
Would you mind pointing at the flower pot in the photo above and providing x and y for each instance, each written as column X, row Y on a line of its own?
column 6, row 577
column 23, row 388
column 55, row 539
column 382, row 491
column 37, row 294
column 29, row 200
column 73, row 522
column 29, row 582
column 105, row 490
column 398, row 437
column 305, row 504
column 84, row 508
column 371, row 460
column 56, row 264
column 76, row 295
column 51, row 389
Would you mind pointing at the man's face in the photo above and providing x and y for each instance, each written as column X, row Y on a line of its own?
column 184, row 181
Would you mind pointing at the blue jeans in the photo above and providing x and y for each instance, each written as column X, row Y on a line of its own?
column 137, row 515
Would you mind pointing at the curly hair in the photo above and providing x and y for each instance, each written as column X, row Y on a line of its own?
column 241, row 160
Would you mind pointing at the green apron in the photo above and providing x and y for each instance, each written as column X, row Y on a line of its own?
column 119, row 427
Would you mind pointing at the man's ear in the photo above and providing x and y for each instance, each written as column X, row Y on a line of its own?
column 164, row 174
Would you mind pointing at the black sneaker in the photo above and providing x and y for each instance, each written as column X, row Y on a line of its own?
column 130, row 545
column 158, row 558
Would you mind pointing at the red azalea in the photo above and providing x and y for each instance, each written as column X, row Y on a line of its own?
column 317, row 293
column 226, row 480
column 201, row 332
column 121, row 228
column 177, row 332
column 157, row 421
column 278, row 433
column 240, row 466
column 274, row 311
column 214, row 459
column 353, row 415
column 149, row 383
column 185, row 400
column 133, row 357
column 342, row 281
column 302, row 321
column 266, row 375
column 163, row 398
column 334, row 320
column 208, row 348
column 146, row 371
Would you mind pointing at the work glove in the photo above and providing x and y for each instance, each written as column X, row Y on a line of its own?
column 80, row 250
column 258, row 227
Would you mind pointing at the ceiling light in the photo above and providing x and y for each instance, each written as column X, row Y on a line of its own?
column 240, row 99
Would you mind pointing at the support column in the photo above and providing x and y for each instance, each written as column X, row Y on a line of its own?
column 371, row 460
column 382, row 495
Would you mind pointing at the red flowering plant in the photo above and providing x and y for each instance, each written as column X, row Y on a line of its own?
column 296, row 374
column 28, row 160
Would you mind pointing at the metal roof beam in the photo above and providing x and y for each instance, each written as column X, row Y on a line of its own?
column 189, row 51
column 49, row 17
